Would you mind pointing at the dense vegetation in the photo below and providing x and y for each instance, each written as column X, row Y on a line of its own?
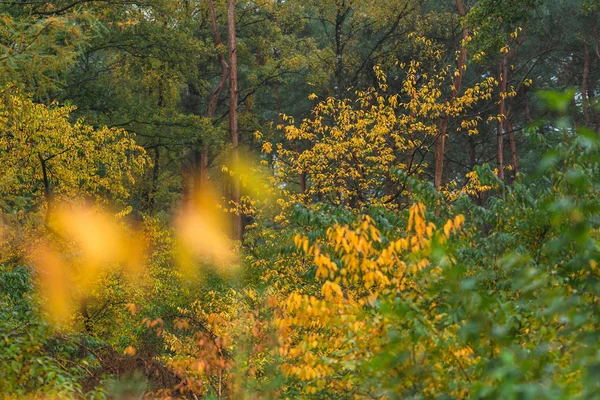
column 300, row 199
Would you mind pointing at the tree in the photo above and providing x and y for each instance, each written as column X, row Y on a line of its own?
column 461, row 65
column 233, row 120
column 359, row 148
column 38, row 49
column 498, row 26
column 45, row 158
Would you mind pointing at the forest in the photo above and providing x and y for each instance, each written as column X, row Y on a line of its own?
column 299, row 199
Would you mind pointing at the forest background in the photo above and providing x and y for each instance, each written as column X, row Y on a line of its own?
column 299, row 199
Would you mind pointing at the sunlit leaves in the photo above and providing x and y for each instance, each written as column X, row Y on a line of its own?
column 360, row 271
column 347, row 151
column 87, row 245
column 45, row 157
column 203, row 229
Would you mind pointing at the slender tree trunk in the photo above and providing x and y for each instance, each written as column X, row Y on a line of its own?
column 512, row 140
column 584, row 87
column 592, row 102
column 440, row 143
column 216, row 93
column 504, row 124
column 440, row 149
column 201, row 158
column 447, row 169
column 339, row 62
column 483, row 195
column 595, row 33
column 203, row 167
column 237, row 229
column 501, row 116
column 342, row 13
column 302, row 182
column 48, row 192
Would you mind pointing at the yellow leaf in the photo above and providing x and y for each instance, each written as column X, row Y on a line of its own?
column 129, row 351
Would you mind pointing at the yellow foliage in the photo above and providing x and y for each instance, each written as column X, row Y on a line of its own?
column 202, row 231
column 318, row 332
column 92, row 245
column 83, row 160
column 356, row 145
column 130, row 351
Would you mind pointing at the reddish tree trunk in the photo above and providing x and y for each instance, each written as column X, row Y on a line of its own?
column 440, row 143
column 216, row 93
column 197, row 176
column 440, row 149
column 584, row 87
column 237, row 229
column 213, row 99
column 501, row 116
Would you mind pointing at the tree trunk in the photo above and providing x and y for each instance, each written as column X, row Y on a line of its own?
column 447, row 170
column 277, row 103
column 202, row 167
column 440, row 143
column 584, row 87
column 483, row 195
column 216, row 93
column 48, row 192
column 201, row 152
column 342, row 13
column 302, row 182
column 505, row 124
column 527, row 109
column 592, row 102
column 440, row 149
column 501, row 116
column 512, row 140
column 237, row 229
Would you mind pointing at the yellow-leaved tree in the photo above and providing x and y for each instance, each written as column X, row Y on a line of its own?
column 330, row 338
column 46, row 162
column 45, row 157
column 348, row 151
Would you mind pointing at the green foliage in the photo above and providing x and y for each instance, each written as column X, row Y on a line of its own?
column 494, row 21
column 36, row 362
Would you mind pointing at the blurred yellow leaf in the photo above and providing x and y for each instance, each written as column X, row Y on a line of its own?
column 201, row 229
column 133, row 309
column 130, row 351
column 54, row 283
